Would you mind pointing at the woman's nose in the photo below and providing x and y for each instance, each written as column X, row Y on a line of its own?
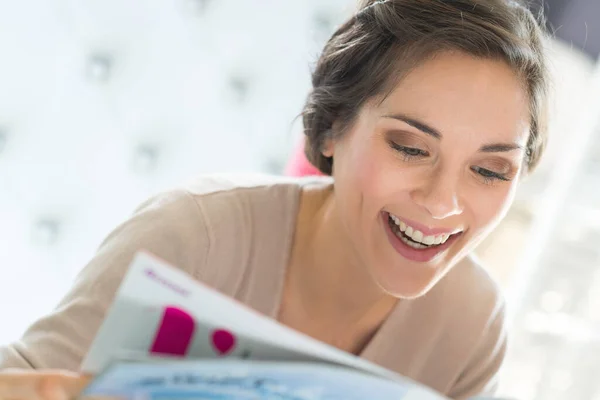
column 439, row 196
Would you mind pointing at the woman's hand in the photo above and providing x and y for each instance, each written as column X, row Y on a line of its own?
column 18, row 384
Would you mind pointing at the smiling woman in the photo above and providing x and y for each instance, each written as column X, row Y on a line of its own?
column 442, row 152
column 425, row 115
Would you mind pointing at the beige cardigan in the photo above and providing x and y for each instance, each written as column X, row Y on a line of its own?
column 235, row 234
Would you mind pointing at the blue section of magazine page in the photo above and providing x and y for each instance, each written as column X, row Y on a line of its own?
column 245, row 381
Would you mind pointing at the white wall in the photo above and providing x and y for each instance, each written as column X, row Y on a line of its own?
column 104, row 102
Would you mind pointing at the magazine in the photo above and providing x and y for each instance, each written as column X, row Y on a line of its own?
column 168, row 336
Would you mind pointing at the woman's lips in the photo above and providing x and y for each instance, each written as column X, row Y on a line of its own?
column 417, row 255
column 426, row 230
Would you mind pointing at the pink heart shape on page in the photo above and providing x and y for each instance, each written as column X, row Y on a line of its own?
column 223, row 341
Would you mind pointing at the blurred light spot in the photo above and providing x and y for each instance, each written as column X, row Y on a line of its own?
column 197, row 6
column 3, row 139
column 322, row 26
column 45, row 232
column 99, row 67
column 561, row 381
column 552, row 301
column 239, row 87
column 274, row 166
column 145, row 158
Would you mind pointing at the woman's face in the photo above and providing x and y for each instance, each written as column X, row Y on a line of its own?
column 422, row 177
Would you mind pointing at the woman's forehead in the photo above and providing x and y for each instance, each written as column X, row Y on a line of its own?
column 463, row 93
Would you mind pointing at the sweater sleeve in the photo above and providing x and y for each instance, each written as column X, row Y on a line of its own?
column 480, row 378
column 170, row 225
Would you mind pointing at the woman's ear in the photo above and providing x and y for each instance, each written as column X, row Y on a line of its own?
column 327, row 147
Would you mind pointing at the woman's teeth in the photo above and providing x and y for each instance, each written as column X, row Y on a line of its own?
column 417, row 239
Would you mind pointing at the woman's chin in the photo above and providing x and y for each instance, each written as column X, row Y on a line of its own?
column 408, row 286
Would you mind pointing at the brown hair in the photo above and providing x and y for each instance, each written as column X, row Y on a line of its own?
column 386, row 39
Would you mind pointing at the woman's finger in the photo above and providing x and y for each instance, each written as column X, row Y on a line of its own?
column 40, row 385
column 59, row 386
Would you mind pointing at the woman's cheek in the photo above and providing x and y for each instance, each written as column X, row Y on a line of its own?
column 377, row 175
column 492, row 209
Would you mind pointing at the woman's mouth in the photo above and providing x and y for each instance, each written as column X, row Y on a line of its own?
column 414, row 244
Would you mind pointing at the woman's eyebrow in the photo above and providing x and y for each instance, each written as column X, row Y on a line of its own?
column 422, row 126
column 500, row 147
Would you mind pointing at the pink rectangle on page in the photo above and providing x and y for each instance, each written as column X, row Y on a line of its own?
column 175, row 332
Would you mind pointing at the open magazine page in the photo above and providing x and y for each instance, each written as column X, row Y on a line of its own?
column 161, row 311
column 230, row 379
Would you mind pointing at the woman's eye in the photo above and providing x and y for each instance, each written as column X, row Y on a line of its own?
column 488, row 175
column 409, row 152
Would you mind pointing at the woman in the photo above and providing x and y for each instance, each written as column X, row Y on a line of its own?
column 426, row 114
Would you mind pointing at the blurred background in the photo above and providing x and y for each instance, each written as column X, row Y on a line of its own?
column 105, row 102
